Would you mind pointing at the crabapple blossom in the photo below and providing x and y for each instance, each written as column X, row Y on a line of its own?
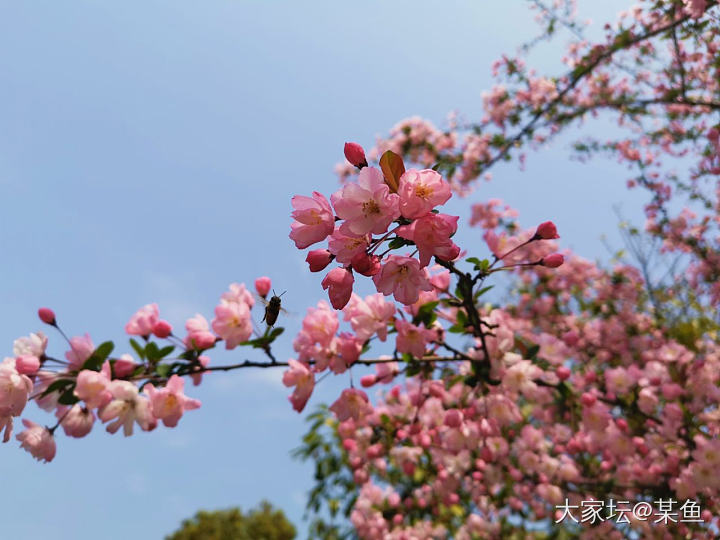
column 27, row 364
column 92, row 386
column 367, row 206
column 302, row 378
column 232, row 323
column 37, row 440
column 168, row 403
column 352, row 403
column 421, row 191
column 431, row 233
column 127, row 407
column 15, row 389
column 81, row 347
column 314, row 220
column 76, row 421
column 198, row 333
column 369, row 316
column 413, row 339
column 345, row 247
column 403, row 278
column 32, row 345
column 143, row 321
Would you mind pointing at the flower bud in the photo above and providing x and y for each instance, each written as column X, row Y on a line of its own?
column 355, row 154
column 27, row 364
column 162, row 329
column 340, row 282
column 563, row 373
column 47, row 315
column 367, row 265
column 262, row 286
column 318, row 259
column 553, row 260
column 588, row 399
column 546, row 231
column 366, row 381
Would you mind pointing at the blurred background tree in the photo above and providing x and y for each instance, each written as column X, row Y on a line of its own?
column 261, row 523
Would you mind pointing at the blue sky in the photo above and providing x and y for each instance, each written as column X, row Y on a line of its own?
column 149, row 151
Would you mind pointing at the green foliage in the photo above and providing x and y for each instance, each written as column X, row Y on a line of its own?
column 262, row 523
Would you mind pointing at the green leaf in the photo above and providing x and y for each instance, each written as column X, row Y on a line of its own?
column 165, row 351
column 68, row 398
column 58, row 385
column 397, row 243
column 473, row 260
column 482, row 291
column 152, row 351
column 139, row 349
column 163, row 369
column 426, row 314
column 98, row 356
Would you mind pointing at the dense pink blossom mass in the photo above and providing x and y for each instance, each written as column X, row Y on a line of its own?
column 583, row 382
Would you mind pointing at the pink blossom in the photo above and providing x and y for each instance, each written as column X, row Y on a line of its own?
column 352, row 403
column 169, row 403
column 369, row 316
column 431, row 233
column 402, row 277
column 76, row 421
column 421, row 191
column 37, row 440
column 81, row 348
column 346, row 247
column 47, row 315
column 127, row 407
column 320, row 324
column 27, row 365
column 314, row 220
column 32, row 345
column 92, row 386
column 367, row 206
column 413, row 339
column 143, row 321
column 199, row 336
column 318, row 259
column 263, row 286
column 302, row 378
column 340, row 282
column 232, row 323
column 237, row 293
column 355, row 154
column 14, row 389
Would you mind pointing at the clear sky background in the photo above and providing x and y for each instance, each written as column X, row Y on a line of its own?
column 148, row 153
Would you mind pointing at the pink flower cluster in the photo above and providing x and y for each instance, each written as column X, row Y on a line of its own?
column 357, row 222
column 120, row 391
